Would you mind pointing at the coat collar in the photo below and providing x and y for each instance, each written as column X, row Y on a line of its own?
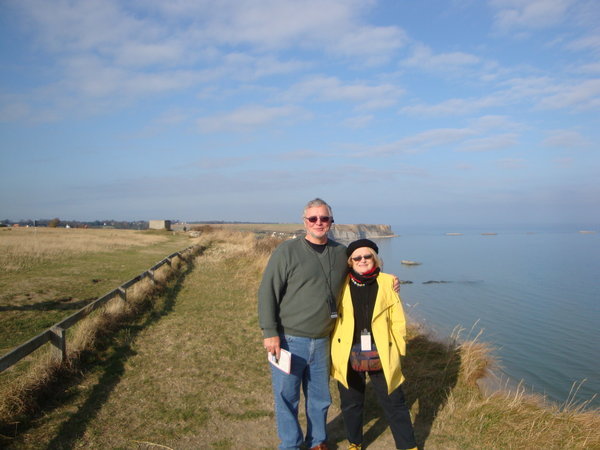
column 384, row 299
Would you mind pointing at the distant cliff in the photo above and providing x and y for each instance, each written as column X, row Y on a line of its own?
column 346, row 233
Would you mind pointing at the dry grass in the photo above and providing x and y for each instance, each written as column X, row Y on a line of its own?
column 196, row 377
column 506, row 418
column 22, row 248
column 46, row 274
column 21, row 396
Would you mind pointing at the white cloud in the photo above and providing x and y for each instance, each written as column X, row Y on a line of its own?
column 527, row 88
column 366, row 96
column 90, row 77
column 374, row 44
column 510, row 163
column 298, row 155
column 334, row 25
column 464, row 166
column 512, row 14
column 591, row 42
column 75, row 26
column 565, row 139
column 210, row 163
column 245, row 22
column 494, row 122
column 424, row 58
column 564, row 162
column 542, row 93
column 142, row 54
column 173, row 116
column 489, row 143
column 454, row 106
column 359, row 121
column 13, row 110
column 582, row 96
column 245, row 66
column 588, row 69
column 421, row 141
column 548, row 93
column 249, row 117
column 122, row 51
column 458, row 139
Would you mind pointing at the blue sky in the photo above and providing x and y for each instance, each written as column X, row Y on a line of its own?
column 399, row 112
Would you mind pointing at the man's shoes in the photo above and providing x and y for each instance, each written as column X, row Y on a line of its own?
column 354, row 446
column 321, row 446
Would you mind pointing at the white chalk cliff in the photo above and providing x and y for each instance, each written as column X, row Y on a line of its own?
column 346, row 233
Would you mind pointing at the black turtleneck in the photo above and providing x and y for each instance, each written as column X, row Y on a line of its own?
column 363, row 302
column 319, row 248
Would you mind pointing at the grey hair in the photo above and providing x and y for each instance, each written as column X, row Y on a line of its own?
column 314, row 203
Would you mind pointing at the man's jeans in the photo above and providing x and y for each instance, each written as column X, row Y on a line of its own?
column 310, row 369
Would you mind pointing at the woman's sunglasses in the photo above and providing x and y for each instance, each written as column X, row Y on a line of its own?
column 324, row 219
column 358, row 258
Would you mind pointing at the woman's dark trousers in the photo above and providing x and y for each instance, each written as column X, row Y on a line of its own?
column 395, row 409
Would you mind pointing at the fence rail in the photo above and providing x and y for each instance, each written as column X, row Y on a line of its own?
column 56, row 334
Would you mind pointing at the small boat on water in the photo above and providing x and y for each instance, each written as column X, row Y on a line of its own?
column 454, row 234
column 409, row 262
column 489, row 234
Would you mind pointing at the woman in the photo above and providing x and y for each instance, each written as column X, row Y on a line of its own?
column 369, row 338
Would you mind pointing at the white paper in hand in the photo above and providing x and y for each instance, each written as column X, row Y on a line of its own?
column 284, row 362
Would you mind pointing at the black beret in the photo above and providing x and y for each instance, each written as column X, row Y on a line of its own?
column 361, row 243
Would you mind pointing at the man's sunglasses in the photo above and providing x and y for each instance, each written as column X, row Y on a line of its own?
column 358, row 258
column 324, row 219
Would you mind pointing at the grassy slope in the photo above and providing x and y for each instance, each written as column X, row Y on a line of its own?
column 41, row 284
column 192, row 375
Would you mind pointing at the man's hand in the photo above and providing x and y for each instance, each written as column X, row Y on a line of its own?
column 396, row 284
column 272, row 345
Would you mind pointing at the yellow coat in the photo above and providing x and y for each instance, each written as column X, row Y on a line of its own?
column 388, row 327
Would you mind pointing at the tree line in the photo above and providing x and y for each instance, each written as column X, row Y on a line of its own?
column 56, row 222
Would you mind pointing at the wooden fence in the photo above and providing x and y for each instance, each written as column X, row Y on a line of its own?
column 56, row 334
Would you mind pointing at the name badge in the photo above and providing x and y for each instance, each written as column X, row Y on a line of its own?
column 365, row 341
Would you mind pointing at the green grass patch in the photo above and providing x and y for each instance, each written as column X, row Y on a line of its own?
column 53, row 282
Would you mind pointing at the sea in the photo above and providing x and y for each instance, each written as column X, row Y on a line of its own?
column 531, row 293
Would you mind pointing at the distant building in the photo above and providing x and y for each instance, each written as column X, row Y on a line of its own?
column 160, row 225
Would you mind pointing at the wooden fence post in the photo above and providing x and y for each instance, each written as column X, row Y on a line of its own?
column 122, row 293
column 58, row 338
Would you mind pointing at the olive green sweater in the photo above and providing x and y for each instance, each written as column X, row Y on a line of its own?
column 295, row 288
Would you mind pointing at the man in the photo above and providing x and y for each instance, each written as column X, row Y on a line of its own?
column 296, row 307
